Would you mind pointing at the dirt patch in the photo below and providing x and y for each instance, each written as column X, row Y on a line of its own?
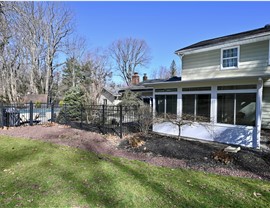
column 155, row 149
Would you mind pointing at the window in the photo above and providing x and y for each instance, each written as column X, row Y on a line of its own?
column 160, row 104
column 104, row 101
column 230, row 58
column 238, row 109
column 196, row 107
column 171, row 104
column 166, row 104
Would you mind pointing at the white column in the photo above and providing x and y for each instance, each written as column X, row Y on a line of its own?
column 213, row 108
column 154, row 103
column 179, row 102
column 269, row 54
column 257, row 136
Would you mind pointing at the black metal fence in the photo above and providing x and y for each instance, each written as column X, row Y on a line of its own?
column 100, row 118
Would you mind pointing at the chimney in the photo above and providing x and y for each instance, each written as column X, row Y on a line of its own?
column 144, row 77
column 135, row 79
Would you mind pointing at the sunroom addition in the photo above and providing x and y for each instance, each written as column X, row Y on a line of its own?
column 231, row 112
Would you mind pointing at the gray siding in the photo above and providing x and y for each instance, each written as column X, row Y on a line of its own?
column 253, row 61
column 266, row 108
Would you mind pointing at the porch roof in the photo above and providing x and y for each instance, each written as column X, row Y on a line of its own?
column 220, row 79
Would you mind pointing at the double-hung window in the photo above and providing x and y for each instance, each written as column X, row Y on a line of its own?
column 229, row 58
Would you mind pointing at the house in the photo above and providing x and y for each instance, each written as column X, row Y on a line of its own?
column 35, row 98
column 225, row 80
column 109, row 97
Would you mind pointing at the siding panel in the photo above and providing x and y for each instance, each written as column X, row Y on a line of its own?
column 253, row 61
column 266, row 108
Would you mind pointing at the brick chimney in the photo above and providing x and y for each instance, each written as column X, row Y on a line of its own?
column 135, row 79
column 144, row 77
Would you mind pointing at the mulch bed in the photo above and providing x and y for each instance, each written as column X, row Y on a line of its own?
column 155, row 149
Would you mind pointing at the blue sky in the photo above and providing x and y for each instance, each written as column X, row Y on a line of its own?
column 165, row 26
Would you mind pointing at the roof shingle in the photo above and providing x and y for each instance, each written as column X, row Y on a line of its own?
column 223, row 39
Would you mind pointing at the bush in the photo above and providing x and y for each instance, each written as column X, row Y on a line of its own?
column 145, row 118
column 72, row 110
column 61, row 103
column 37, row 104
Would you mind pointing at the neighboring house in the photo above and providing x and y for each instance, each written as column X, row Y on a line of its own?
column 40, row 98
column 227, row 81
column 109, row 97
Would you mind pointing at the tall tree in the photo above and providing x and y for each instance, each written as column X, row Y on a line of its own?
column 71, row 73
column 129, row 54
column 96, row 72
column 173, row 69
column 32, row 35
column 57, row 28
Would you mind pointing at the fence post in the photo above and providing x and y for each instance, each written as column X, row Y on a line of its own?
column 121, row 121
column 52, row 112
column 103, row 117
column 31, row 114
column 2, row 115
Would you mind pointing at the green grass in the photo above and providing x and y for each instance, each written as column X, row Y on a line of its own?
column 37, row 174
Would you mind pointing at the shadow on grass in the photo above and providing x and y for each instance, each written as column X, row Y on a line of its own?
column 87, row 175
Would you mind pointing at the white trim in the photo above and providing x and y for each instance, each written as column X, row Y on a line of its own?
column 221, row 57
column 179, row 102
column 240, row 41
column 258, row 124
column 196, row 92
column 154, row 103
column 237, row 91
column 219, row 79
column 166, row 93
column 213, row 107
column 269, row 54
column 232, row 125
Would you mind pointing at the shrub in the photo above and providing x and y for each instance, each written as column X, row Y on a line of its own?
column 72, row 110
column 37, row 104
column 61, row 103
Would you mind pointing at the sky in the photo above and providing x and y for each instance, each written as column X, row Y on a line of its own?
column 165, row 26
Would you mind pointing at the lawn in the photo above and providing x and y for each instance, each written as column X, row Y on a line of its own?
column 38, row 174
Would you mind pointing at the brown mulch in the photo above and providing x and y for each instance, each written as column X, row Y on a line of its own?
column 155, row 149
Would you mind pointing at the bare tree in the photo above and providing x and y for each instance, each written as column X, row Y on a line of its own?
column 32, row 35
column 161, row 73
column 76, row 48
column 129, row 54
column 96, row 73
column 189, row 120
column 57, row 27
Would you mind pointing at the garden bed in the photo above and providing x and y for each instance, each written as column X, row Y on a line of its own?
column 155, row 149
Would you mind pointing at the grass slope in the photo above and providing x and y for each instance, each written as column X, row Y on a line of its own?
column 37, row 174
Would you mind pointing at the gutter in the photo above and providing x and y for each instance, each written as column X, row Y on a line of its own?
column 212, row 79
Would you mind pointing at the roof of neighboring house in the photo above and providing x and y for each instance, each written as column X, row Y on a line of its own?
column 113, row 92
column 226, row 38
column 42, row 98
column 140, row 86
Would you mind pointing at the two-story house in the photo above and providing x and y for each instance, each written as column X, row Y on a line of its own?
column 226, row 81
